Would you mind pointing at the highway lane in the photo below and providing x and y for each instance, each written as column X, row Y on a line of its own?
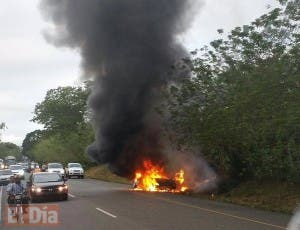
column 101, row 205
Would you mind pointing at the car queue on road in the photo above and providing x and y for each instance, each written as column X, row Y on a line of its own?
column 42, row 183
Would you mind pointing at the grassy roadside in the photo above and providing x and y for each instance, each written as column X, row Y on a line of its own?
column 272, row 196
column 103, row 173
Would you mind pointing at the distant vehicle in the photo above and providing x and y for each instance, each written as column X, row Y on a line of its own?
column 9, row 160
column 34, row 165
column 5, row 176
column 2, row 166
column 56, row 168
column 24, row 165
column 44, row 168
column 74, row 170
column 47, row 185
column 17, row 170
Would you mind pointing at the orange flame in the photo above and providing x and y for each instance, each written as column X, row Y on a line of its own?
column 179, row 177
column 147, row 179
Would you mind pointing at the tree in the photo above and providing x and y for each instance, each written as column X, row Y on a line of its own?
column 63, row 109
column 30, row 140
column 9, row 149
column 242, row 103
column 67, row 132
column 68, row 149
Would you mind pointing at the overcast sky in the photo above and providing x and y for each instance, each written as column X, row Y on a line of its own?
column 29, row 66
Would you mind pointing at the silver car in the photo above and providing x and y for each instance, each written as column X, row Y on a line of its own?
column 75, row 170
column 5, row 176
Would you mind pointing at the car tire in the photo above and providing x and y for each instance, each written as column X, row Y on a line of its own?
column 65, row 197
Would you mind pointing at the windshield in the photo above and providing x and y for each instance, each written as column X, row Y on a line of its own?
column 10, row 161
column 47, row 177
column 6, row 172
column 55, row 165
column 15, row 167
column 75, row 165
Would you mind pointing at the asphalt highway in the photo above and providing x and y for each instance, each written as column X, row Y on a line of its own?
column 96, row 204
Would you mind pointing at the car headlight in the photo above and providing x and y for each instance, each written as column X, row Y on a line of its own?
column 36, row 189
column 62, row 188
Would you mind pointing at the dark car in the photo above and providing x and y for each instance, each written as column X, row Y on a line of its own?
column 45, row 185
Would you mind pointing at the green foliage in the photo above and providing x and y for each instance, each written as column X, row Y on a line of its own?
column 242, row 104
column 275, row 196
column 103, row 173
column 9, row 149
column 67, row 132
column 30, row 140
column 63, row 109
column 70, row 148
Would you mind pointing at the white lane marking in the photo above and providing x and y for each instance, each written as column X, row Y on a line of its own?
column 107, row 213
column 220, row 213
column 1, row 202
column 71, row 195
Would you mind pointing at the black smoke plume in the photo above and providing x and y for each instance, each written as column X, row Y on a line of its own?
column 128, row 47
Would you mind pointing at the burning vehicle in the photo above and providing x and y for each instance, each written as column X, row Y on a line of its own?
column 153, row 178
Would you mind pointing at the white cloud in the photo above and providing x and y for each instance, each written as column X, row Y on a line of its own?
column 29, row 66
column 222, row 14
column 12, row 138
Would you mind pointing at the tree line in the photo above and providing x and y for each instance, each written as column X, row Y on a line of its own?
column 242, row 103
column 7, row 148
column 67, row 131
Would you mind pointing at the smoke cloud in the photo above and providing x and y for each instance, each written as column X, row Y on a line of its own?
column 128, row 48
